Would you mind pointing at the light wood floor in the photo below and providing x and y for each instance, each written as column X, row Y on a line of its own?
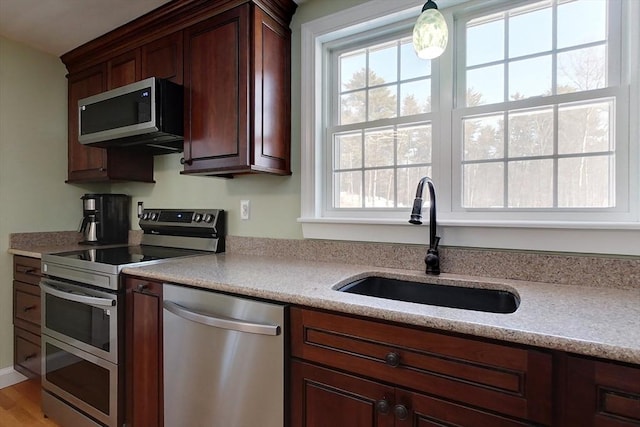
column 20, row 406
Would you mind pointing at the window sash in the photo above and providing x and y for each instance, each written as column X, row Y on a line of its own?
column 331, row 78
column 614, row 91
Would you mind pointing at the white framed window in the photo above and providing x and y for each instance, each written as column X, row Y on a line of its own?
column 379, row 125
column 540, row 116
column 525, row 125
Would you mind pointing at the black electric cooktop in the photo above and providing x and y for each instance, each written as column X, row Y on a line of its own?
column 125, row 255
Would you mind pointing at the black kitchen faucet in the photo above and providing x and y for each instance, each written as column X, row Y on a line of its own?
column 432, row 260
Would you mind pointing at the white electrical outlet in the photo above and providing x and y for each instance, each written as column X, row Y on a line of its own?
column 244, row 209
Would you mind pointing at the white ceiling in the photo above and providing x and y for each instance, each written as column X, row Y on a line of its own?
column 58, row 26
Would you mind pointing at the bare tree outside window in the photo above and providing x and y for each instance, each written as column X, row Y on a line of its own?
column 559, row 155
column 385, row 95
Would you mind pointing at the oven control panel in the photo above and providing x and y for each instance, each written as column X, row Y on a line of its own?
column 169, row 220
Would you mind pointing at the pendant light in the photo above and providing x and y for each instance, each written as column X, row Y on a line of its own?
column 430, row 34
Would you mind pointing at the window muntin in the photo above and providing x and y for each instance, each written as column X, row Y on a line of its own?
column 514, row 55
column 535, row 128
column 381, row 136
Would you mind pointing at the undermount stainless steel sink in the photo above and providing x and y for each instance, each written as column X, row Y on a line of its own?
column 478, row 299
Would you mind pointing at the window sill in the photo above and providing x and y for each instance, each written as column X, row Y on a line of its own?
column 592, row 238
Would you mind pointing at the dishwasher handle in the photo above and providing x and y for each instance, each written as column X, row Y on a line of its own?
column 221, row 322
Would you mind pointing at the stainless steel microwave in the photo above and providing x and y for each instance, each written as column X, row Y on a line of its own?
column 147, row 113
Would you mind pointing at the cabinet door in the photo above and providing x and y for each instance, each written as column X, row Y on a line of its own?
column 124, row 69
column 322, row 397
column 419, row 410
column 85, row 163
column 601, row 394
column 163, row 58
column 271, row 148
column 143, row 350
column 216, row 79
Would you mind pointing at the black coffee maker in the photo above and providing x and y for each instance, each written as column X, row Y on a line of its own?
column 105, row 219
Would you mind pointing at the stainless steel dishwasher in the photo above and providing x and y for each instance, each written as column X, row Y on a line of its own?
column 223, row 360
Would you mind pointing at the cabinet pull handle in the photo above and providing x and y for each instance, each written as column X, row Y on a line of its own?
column 142, row 288
column 30, row 356
column 29, row 308
column 392, row 359
column 401, row 412
column 383, row 406
column 26, row 270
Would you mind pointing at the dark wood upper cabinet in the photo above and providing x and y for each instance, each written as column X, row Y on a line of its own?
column 92, row 164
column 163, row 58
column 85, row 163
column 237, row 94
column 233, row 58
column 124, row 69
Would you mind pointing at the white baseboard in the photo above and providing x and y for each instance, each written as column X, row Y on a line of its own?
column 9, row 377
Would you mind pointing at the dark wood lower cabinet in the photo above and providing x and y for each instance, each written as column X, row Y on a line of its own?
column 420, row 410
column 324, row 397
column 26, row 316
column 143, row 353
column 512, row 382
column 347, row 371
column 601, row 394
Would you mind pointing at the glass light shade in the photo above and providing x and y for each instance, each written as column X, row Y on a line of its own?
column 430, row 34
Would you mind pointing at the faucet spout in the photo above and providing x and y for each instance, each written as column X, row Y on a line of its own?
column 432, row 260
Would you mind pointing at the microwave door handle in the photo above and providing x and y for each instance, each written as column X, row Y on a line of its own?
column 83, row 299
column 221, row 322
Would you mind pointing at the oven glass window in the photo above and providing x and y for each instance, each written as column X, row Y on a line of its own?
column 79, row 377
column 79, row 321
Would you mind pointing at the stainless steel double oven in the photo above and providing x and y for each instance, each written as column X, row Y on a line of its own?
column 83, row 313
column 81, row 327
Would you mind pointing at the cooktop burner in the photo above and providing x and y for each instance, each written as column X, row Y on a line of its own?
column 124, row 255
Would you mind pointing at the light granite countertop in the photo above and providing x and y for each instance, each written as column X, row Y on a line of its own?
column 600, row 322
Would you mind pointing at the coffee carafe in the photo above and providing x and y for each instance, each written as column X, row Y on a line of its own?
column 105, row 219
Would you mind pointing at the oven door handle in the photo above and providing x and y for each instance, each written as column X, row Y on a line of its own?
column 83, row 299
column 221, row 322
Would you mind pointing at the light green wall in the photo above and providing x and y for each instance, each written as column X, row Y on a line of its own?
column 33, row 135
column 33, row 161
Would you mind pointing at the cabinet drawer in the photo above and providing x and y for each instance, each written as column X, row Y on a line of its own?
column 26, row 307
column 510, row 380
column 26, row 356
column 26, row 269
